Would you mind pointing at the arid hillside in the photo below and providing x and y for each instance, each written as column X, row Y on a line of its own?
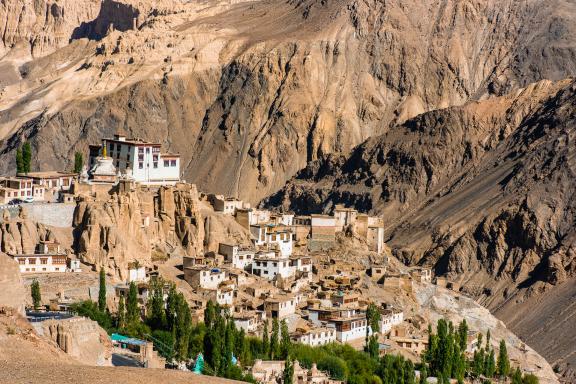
column 248, row 92
column 483, row 193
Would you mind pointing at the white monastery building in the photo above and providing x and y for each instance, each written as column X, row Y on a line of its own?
column 149, row 165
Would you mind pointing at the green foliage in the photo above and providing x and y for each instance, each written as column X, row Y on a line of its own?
column 274, row 340
column 463, row 335
column 132, row 307
column 395, row 369
column 373, row 347
column 490, row 364
column 373, row 316
column 288, row 374
column 517, row 376
column 19, row 161
column 335, row 366
column 78, row 162
column 503, row 362
column 36, row 295
column 156, row 317
column 285, row 341
column 102, row 291
column 530, row 379
column 121, row 316
column 164, row 343
column 90, row 309
column 446, row 351
column 26, row 157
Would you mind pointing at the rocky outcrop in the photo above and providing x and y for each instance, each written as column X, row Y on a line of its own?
column 131, row 226
column 13, row 294
column 250, row 92
column 81, row 338
column 38, row 27
column 20, row 234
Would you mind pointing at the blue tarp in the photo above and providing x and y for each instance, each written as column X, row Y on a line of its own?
column 126, row 340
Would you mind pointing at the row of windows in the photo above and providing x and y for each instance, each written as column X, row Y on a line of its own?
column 275, row 264
column 43, row 269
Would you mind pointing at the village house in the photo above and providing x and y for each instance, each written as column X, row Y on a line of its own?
column 273, row 237
column 322, row 233
column 314, row 336
column 148, row 164
column 301, row 263
column 48, row 258
column 205, row 278
column 345, row 217
column 280, row 306
column 248, row 321
column 351, row 328
column 49, row 185
column 250, row 216
column 240, row 257
column 301, row 226
column 415, row 344
column 226, row 205
column 348, row 299
column 421, row 274
column 19, row 188
column 136, row 273
column 270, row 264
column 390, row 318
column 377, row 272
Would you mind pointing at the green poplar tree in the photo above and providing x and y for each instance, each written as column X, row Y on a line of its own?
column 36, row 295
column 132, row 309
column 102, row 291
column 156, row 318
column 288, row 374
column 121, row 313
column 78, row 162
column 284, row 340
column 274, row 342
column 503, row 362
column 463, row 335
column 490, row 369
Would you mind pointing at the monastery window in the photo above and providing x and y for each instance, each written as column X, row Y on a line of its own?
column 155, row 164
column 21, row 193
column 166, row 163
column 43, row 269
column 29, row 193
column 128, row 157
column 140, row 165
column 22, row 261
column 31, row 261
column 140, row 150
column 147, row 150
column 44, row 261
column 172, row 163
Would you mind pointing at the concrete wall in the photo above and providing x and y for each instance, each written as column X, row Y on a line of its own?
column 53, row 214
column 56, row 215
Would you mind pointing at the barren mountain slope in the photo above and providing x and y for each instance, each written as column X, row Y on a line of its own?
column 484, row 193
column 248, row 92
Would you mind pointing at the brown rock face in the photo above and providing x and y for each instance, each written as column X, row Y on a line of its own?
column 130, row 226
column 13, row 294
column 481, row 192
column 20, row 234
column 250, row 92
column 80, row 338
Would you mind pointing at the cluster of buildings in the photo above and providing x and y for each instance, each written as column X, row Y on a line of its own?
column 35, row 187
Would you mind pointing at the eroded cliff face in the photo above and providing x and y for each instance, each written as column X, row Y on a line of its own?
column 81, row 338
column 22, row 235
column 134, row 226
column 249, row 92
